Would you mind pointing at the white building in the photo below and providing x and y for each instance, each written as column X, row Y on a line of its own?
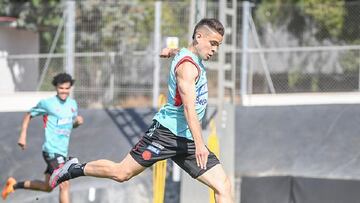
column 17, row 74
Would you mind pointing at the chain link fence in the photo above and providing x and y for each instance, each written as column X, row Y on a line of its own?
column 303, row 47
column 122, row 73
column 114, row 49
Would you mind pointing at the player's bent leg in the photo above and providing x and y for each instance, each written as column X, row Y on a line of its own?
column 12, row 185
column 8, row 188
column 38, row 185
column 45, row 185
column 64, row 193
column 119, row 172
column 216, row 179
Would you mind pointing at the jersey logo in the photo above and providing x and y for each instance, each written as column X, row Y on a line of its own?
column 201, row 94
column 64, row 121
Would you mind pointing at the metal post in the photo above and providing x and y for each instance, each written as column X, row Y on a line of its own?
column 191, row 20
column 112, row 79
column 157, row 39
column 200, row 7
column 70, row 37
column 197, row 12
column 359, row 72
column 52, row 49
column 244, row 58
column 262, row 57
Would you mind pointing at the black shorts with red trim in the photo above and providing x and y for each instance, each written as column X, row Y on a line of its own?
column 53, row 161
column 160, row 143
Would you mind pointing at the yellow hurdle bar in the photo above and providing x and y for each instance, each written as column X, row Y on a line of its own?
column 213, row 144
column 159, row 169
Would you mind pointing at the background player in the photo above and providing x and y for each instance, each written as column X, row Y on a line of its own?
column 60, row 115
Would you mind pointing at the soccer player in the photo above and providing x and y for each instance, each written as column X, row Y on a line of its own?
column 60, row 115
column 176, row 131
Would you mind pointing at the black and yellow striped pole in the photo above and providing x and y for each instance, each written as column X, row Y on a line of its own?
column 159, row 170
column 213, row 144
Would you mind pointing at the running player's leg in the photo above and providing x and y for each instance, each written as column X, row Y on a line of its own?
column 38, row 184
column 64, row 192
column 12, row 185
column 216, row 179
column 53, row 162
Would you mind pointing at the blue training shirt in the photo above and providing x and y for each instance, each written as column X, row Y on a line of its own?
column 58, row 117
column 172, row 115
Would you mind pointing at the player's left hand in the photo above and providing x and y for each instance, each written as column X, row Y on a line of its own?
column 201, row 153
column 78, row 121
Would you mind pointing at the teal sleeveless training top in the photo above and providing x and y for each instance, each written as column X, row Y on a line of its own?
column 58, row 117
column 172, row 115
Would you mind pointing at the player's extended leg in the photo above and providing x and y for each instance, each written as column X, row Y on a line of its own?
column 120, row 172
column 64, row 192
column 216, row 179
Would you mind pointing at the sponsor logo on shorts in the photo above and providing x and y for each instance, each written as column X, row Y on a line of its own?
column 146, row 155
column 153, row 149
column 157, row 145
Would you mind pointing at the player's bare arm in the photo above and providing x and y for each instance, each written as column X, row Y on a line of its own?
column 79, row 120
column 23, row 133
column 186, row 75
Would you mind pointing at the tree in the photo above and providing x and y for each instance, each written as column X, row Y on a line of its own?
column 313, row 23
column 42, row 16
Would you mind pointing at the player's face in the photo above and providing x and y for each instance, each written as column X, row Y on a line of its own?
column 63, row 90
column 208, row 44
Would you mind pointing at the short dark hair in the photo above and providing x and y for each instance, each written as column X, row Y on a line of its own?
column 213, row 24
column 62, row 78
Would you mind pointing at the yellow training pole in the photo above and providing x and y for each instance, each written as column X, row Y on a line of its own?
column 213, row 144
column 159, row 169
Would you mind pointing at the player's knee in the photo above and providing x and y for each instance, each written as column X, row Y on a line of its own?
column 224, row 188
column 48, row 188
column 122, row 175
column 64, row 185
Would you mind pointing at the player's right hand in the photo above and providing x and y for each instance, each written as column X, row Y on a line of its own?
column 201, row 154
column 168, row 52
column 22, row 142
